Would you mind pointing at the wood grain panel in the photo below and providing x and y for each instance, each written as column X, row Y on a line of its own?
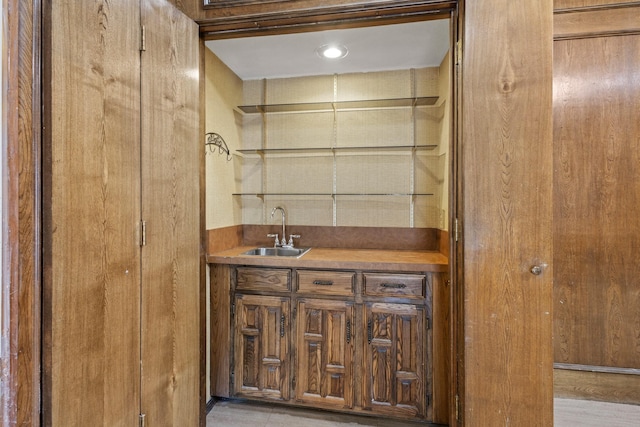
column 324, row 361
column 261, row 344
column 395, row 364
column 171, row 146
column 221, row 239
column 603, row 386
column 263, row 279
column 92, row 261
column 21, row 261
column 394, row 285
column 349, row 237
column 326, row 282
column 596, row 199
column 221, row 343
column 594, row 23
column 441, row 330
column 230, row 18
column 588, row 4
column 506, row 166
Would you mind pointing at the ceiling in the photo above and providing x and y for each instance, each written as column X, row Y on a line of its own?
column 385, row 47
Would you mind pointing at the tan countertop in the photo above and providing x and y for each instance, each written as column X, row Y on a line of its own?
column 358, row 259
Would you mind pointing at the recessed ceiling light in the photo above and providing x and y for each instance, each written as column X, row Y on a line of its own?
column 332, row 51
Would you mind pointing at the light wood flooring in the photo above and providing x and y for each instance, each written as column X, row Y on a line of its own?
column 567, row 413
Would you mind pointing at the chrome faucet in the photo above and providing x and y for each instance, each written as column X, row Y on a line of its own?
column 283, row 243
column 284, row 217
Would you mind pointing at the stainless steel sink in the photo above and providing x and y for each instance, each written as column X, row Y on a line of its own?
column 271, row 251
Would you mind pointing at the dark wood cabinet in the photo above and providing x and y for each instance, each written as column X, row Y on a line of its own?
column 325, row 352
column 261, row 360
column 395, row 362
column 354, row 341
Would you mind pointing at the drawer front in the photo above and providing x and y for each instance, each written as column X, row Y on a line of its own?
column 263, row 279
column 326, row 282
column 394, row 285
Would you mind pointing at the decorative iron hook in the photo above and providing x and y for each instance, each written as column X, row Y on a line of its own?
column 215, row 140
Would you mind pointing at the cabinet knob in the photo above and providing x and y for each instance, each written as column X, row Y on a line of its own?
column 536, row 270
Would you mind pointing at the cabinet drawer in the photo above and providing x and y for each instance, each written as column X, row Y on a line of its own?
column 326, row 282
column 394, row 285
column 263, row 279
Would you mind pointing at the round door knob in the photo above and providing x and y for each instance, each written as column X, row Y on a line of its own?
column 536, row 270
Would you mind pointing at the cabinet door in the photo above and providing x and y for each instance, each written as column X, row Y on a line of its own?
column 395, row 359
column 261, row 367
column 324, row 353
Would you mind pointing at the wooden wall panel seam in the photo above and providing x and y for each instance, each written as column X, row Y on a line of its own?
column 595, row 7
column 600, row 22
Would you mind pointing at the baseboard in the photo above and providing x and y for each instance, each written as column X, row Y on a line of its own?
column 210, row 403
column 619, row 385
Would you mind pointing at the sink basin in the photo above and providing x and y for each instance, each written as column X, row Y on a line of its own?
column 271, row 251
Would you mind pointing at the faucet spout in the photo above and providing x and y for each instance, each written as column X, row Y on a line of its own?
column 284, row 215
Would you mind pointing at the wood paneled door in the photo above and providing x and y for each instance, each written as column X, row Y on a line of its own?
column 120, row 305
column 170, row 318
column 92, row 215
column 262, row 326
column 506, row 172
column 395, row 362
column 324, row 361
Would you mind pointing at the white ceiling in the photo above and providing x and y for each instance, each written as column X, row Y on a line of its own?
column 385, row 47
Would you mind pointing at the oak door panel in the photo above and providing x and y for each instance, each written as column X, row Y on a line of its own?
column 596, row 199
column 91, row 186
column 395, row 359
column 506, row 172
column 170, row 323
column 261, row 359
column 324, row 361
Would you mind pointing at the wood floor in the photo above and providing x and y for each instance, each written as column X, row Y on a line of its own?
column 567, row 413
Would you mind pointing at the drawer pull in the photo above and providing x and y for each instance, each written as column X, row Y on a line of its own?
column 282, row 320
column 348, row 331
column 394, row 285
column 323, row 282
column 369, row 331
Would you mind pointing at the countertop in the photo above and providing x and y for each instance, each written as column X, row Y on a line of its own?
column 356, row 259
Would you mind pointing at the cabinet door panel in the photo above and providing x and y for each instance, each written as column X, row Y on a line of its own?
column 395, row 359
column 261, row 345
column 325, row 352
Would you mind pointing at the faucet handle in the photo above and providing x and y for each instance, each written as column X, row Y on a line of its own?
column 291, row 237
column 277, row 242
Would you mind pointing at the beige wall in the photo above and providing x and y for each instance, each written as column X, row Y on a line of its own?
column 445, row 94
column 398, row 171
column 223, row 92
column 375, row 170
